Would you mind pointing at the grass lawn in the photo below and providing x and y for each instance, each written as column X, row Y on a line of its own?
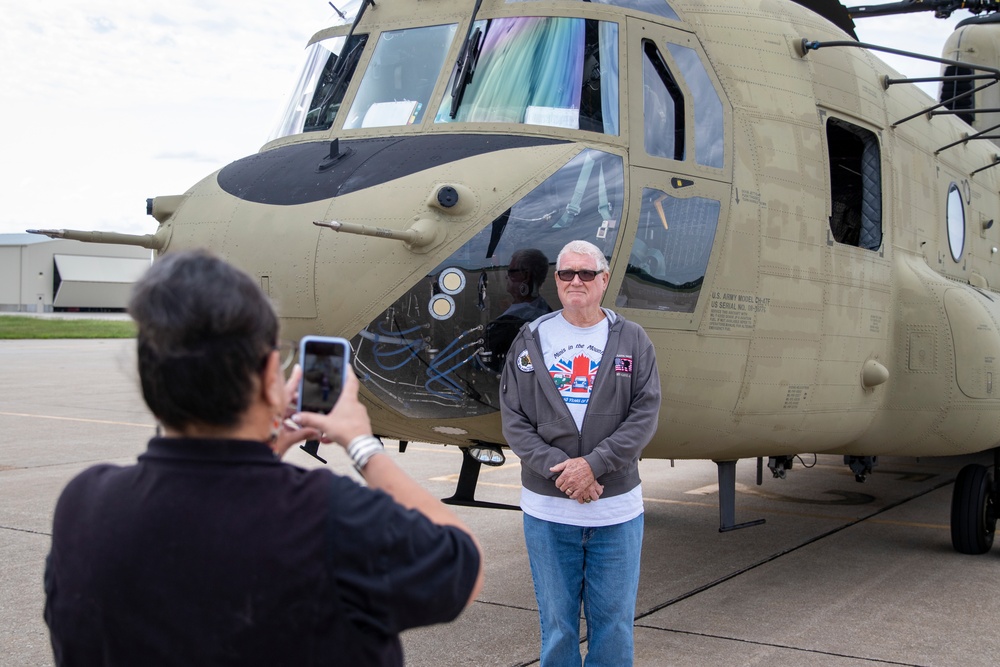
column 16, row 326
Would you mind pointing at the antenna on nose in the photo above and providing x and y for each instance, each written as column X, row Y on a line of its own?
column 339, row 13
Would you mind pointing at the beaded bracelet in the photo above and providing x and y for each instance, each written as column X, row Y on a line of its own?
column 363, row 448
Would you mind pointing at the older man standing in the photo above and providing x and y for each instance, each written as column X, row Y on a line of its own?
column 580, row 396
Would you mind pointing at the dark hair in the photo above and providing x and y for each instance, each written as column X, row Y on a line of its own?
column 535, row 263
column 205, row 332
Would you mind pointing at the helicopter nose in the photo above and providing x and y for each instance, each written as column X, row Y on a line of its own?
column 391, row 235
column 430, row 194
column 302, row 173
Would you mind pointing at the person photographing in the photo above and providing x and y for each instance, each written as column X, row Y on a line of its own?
column 211, row 551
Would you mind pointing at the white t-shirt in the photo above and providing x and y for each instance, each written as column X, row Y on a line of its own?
column 572, row 356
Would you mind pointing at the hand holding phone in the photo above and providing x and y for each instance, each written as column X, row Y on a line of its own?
column 325, row 363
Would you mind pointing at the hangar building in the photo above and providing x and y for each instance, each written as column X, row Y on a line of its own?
column 39, row 274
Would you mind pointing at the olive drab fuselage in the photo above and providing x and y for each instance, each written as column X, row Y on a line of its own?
column 815, row 276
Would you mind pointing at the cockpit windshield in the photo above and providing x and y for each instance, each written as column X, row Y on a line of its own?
column 655, row 7
column 536, row 70
column 400, row 78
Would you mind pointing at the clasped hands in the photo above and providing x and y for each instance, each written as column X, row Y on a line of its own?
column 576, row 480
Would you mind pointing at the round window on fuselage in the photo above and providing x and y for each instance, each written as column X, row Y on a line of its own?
column 956, row 222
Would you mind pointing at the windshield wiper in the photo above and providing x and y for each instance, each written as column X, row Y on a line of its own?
column 349, row 61
column 341, row 69
column 465, row 66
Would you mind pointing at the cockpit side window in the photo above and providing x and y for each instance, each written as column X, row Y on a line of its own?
column 709, row 129
column 400, row 77
column 328, row 71
column 663, row 107
column 855, row 185
column 538, row 70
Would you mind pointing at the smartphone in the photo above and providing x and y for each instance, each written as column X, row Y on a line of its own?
column 325, row 362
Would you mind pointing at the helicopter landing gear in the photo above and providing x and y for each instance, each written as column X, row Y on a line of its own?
column 780, row 465
column 727, row 497
column 468, row 477
column 974, row 507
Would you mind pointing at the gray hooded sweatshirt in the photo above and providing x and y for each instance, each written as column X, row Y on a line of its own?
column 620, row 420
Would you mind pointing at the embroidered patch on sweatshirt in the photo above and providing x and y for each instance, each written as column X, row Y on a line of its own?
column 524, row 362
column 623, row 365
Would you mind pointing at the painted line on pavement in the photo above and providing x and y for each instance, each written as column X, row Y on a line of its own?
column 75, row 419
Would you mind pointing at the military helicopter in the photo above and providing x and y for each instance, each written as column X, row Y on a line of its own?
column 807, row 237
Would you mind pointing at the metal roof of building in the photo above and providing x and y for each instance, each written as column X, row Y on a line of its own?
column 85, row 268
column 22, row 239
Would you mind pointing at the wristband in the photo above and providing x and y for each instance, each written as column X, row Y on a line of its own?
column 363, row 448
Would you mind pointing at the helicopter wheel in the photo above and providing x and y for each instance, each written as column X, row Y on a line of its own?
column 973, row 510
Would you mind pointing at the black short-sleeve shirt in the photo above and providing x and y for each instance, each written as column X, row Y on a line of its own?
column 213, row 552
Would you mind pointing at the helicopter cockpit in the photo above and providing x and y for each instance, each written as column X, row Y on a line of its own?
column 535, row 70
column 436, row 352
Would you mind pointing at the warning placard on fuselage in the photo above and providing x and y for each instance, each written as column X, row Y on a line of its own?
column 734, row 310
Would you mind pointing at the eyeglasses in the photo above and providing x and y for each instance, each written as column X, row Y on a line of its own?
column 586, row 275
column 516, row 272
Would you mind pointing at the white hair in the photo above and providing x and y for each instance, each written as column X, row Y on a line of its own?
column 584, row 248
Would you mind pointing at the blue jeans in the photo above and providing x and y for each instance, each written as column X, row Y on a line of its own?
column 598, row 567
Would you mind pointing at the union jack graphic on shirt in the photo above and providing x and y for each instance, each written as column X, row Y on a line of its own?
column 574, row 378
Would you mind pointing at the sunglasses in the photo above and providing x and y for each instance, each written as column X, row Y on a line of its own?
column 586, row 275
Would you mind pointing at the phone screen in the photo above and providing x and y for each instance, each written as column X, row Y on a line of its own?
column 324, row 362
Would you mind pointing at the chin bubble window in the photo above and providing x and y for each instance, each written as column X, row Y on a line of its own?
column 437, row 350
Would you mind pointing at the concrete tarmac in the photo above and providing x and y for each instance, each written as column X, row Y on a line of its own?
column 841, row 574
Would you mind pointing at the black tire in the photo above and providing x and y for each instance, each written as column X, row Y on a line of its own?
column 973, row 514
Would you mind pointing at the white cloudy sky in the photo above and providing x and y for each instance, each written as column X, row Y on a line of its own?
column 108, row 102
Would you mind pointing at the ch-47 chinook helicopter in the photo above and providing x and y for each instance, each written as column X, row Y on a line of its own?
column 807, row 237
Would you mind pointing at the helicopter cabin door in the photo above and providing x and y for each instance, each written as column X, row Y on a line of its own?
column 680, row 178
